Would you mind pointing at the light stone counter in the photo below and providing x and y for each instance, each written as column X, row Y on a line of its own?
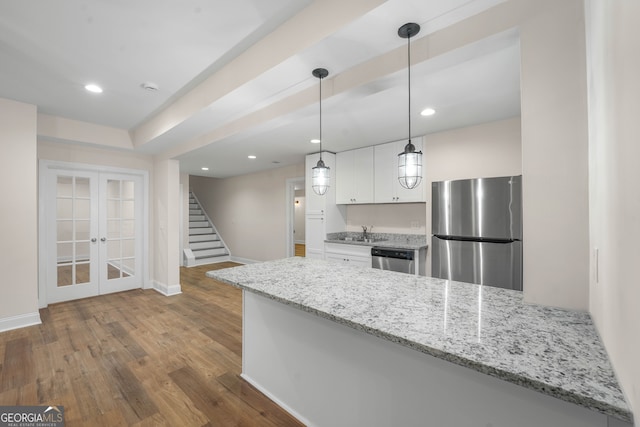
column 491, row 330
column 382, row 240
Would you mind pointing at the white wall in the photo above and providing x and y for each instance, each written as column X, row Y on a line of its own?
column 554, row 153
column 249, row 211
column 18, row 210
column 613, row 41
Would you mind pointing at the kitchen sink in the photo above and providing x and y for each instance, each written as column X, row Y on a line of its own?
column 360, row 239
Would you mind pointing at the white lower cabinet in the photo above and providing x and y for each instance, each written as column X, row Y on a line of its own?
column 349, row 254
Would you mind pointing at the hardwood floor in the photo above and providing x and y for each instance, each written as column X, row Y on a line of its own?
column 300, row 249
column 139, row 358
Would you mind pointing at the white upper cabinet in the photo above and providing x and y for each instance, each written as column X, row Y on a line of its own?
column 354, row 176
column 387, row 187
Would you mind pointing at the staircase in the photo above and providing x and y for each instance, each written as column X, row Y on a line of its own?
column 205, row 245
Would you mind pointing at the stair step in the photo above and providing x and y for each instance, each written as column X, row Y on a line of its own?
column 194, row 206
column 197, row 217
column 210, row 244
column 198, row 224
column 206, row 253
column 195, row 212
column 211, row 260
column 203, row 230
column 203, row 237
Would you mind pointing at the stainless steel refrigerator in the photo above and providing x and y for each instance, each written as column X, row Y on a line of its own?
column 477, row 231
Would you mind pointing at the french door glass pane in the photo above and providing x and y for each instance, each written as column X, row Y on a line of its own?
column 83, row 272
column 73, row 226
column 121, row 228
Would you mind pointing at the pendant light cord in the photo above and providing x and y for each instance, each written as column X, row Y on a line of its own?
column 409, row 68
column 320, row 118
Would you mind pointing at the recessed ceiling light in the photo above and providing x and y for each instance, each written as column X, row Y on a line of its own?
column 428, row 112
column 205, row 169
column 315, row 141
column 251, row 156
column 93, row 88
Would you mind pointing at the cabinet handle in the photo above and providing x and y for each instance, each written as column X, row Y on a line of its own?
column 103, row 239
column 93, row 240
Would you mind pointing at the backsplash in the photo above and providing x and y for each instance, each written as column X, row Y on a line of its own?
column 394, row 218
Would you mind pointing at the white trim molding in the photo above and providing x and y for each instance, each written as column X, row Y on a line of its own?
column 241, row 260
column 167, row 290
column 20, row 321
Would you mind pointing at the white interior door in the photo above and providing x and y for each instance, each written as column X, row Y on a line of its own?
column 94, row 233
column 120, row 232
column 72, row 227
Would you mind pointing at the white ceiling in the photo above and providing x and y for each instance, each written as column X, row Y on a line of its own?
column 50, row 50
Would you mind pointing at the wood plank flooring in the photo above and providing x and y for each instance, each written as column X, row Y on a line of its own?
column 139, row 358
column 300, row 249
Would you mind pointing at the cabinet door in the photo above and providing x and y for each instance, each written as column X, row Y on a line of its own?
column 363, row 175
column 344, row 177
column 314, row 236
column 386, row 173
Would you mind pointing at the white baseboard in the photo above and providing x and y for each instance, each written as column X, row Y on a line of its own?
column 20, row 321
column 167, row 290
column 280, row 403
column 243, row 260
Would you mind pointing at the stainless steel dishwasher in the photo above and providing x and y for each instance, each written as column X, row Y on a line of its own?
column 401, row 260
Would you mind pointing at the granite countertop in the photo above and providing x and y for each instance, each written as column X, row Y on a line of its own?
column 554, row 351
column 382, row 240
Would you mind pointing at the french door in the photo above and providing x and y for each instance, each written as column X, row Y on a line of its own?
column 93, row 233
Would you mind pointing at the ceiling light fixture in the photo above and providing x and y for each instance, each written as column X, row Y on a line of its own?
column 428, row 112
column 320, row 175
column 91, row 87
column 315, row 141
column 410, row 160
column 205, row 169
column 251, row 156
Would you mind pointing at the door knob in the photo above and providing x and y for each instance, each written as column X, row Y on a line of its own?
column 103, row 239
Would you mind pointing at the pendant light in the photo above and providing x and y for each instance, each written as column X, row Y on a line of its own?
column 410, row 160
column 320, row 176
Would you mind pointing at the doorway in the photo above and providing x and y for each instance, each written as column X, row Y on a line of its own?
column 295, row 200
column 92, row 232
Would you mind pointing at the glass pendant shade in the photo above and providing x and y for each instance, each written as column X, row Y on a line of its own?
column 410, row 167
column 320, row 178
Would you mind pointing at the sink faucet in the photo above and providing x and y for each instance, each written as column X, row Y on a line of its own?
column 364, row 231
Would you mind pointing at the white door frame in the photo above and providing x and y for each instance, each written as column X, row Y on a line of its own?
column 290, row 210
column 44, row 166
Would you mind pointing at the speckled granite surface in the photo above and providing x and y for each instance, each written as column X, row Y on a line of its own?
column 383, row 240
column 556, row 352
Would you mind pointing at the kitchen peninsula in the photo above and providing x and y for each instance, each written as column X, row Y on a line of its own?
column 340, row 345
